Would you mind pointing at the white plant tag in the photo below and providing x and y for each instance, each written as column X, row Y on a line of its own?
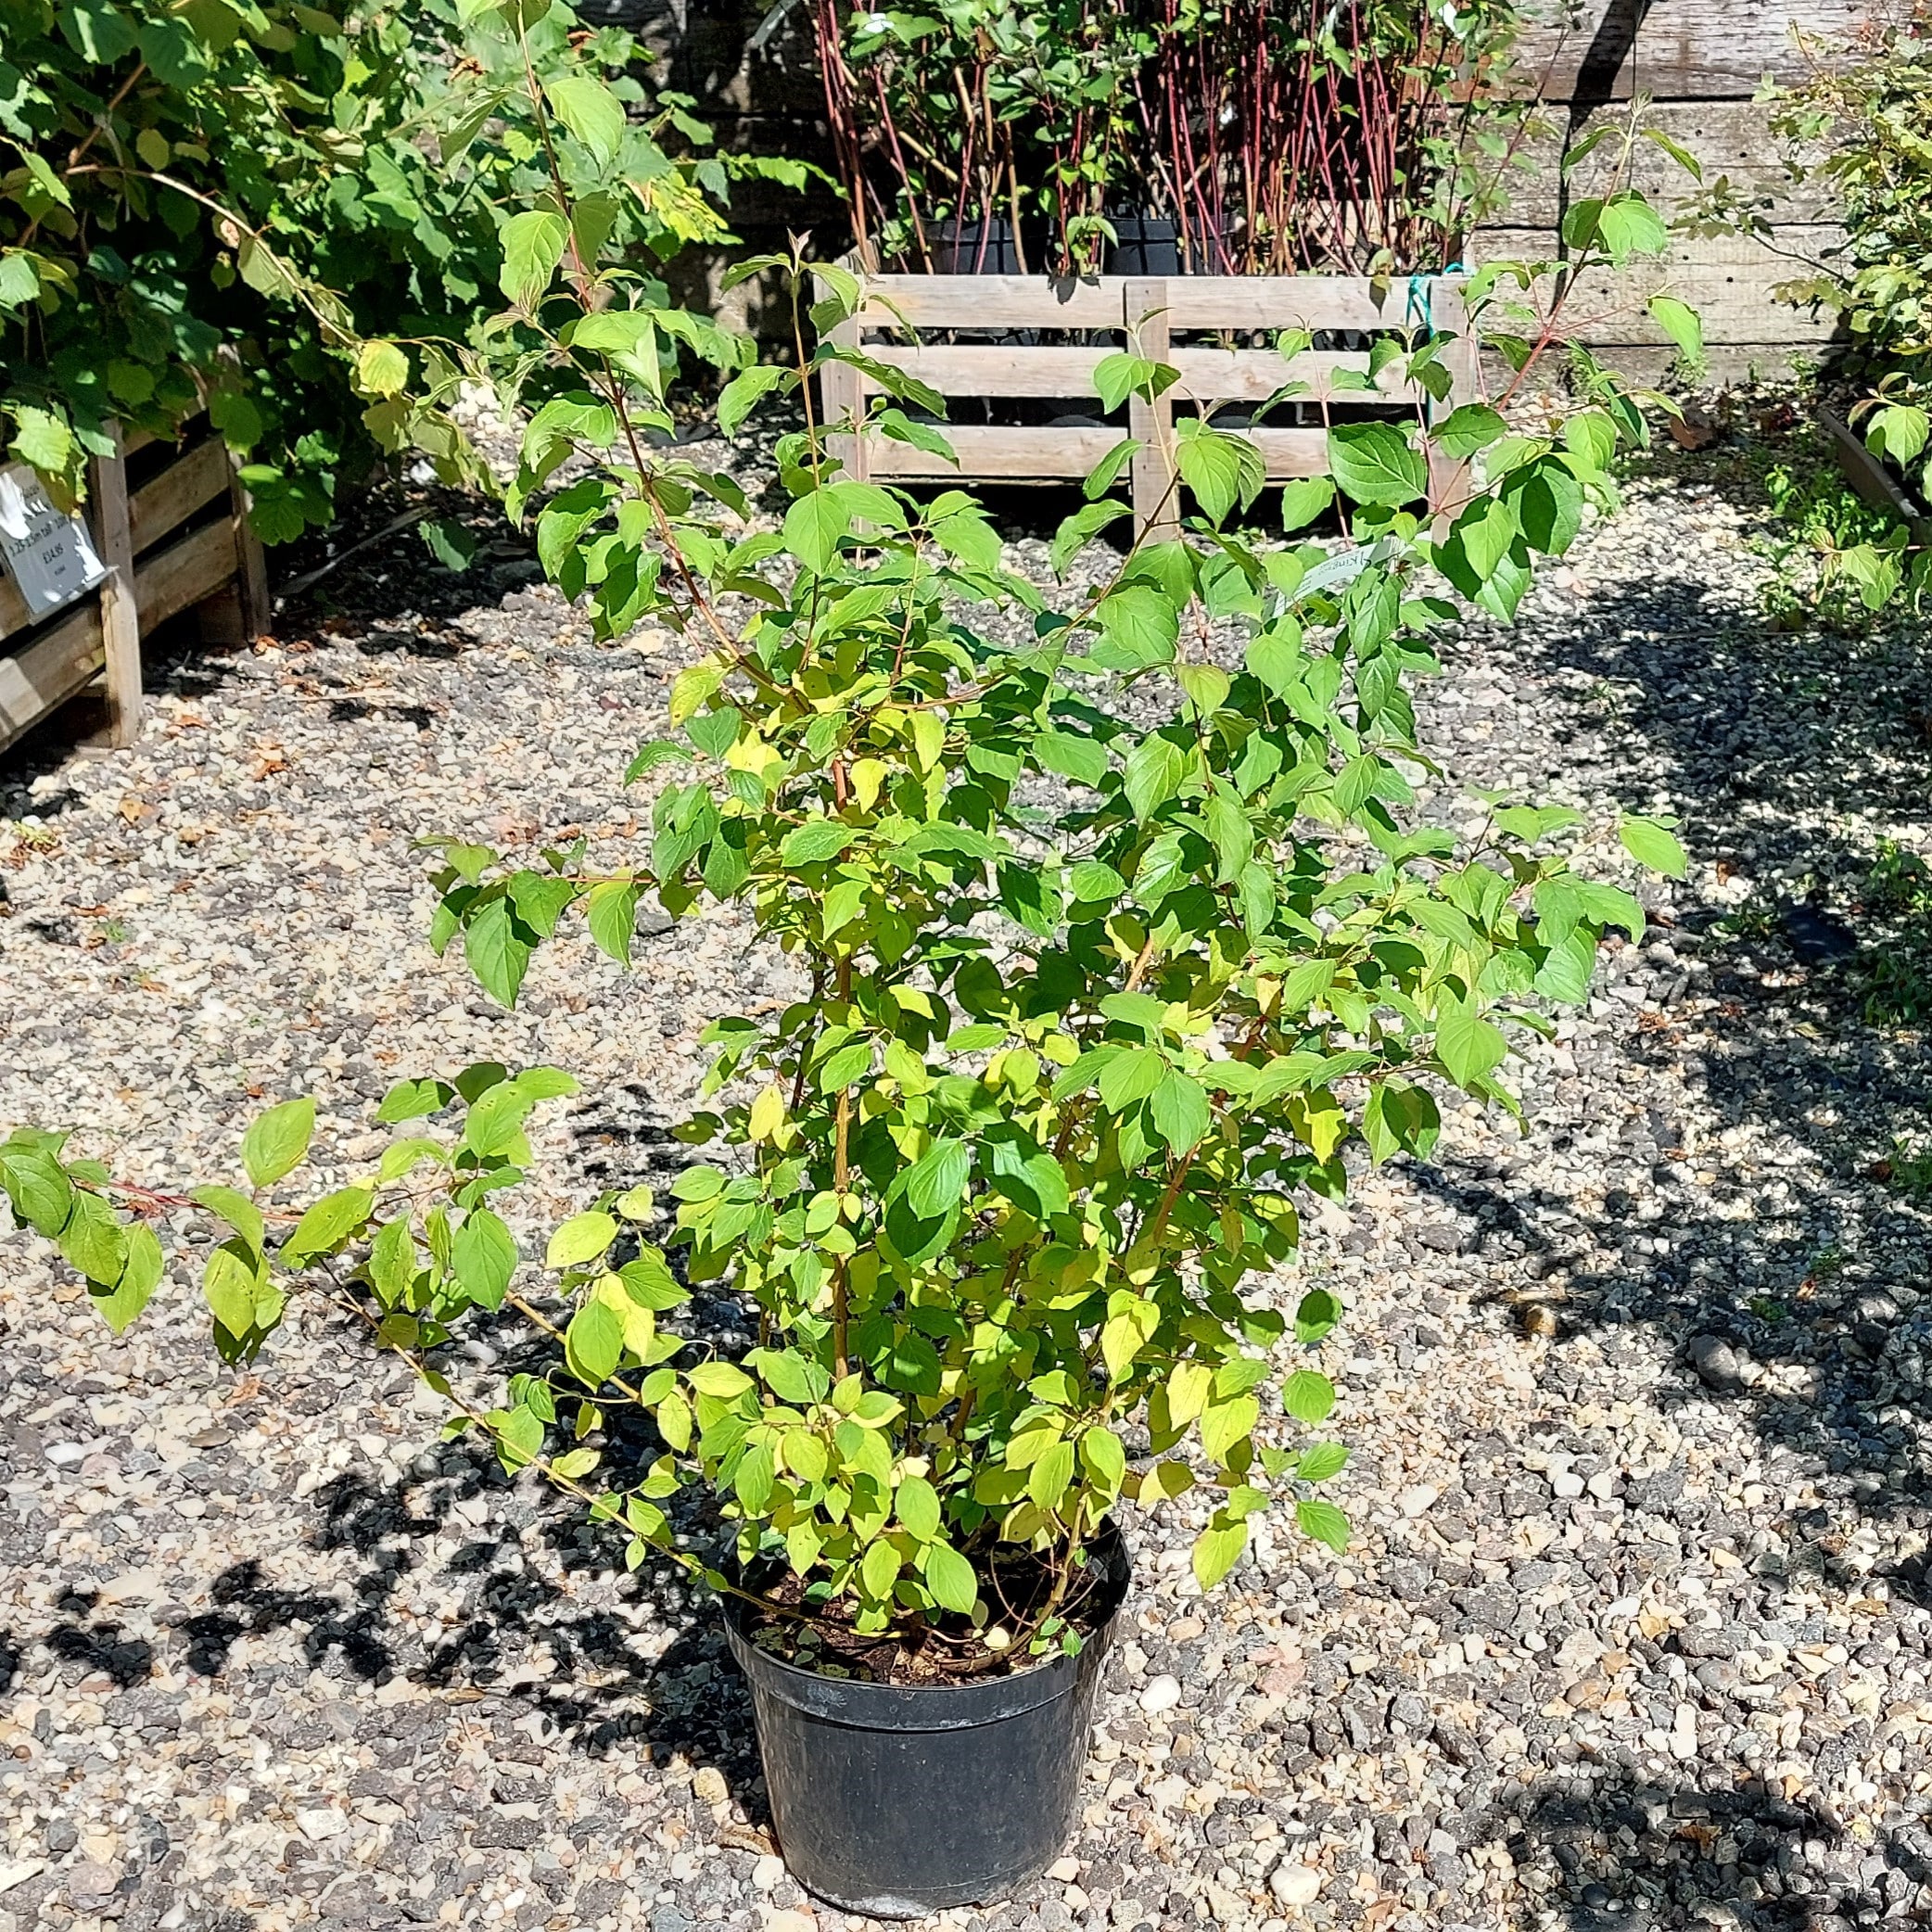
column 50, row 556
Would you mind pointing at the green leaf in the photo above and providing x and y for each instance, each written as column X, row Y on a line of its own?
column 497, row 952
column 1079, row 529
column 93, row 1241
column 813, row 527
column 1308, row 1397
column 1083, row 759
column 724, row 1381
column 949, row 1577
column 1324, row 1522
column 1628, row 226
column 533, row 244
column 1154, row 773
column 1138, row 626
column 935, row 1182
column 897, row 426
column 1465, row 431
column 382, row 369
column 38, row 1188
column 1222, row 470
column 1303, row 500
column 275, row 1142
column 1105, row 1458
column 610, row 913
column 484, row 1258
column 593, row 1343
column 1654, row 846
column 327, row 1224
column 1180, row 1111
column 1130, row 1327
column 879, row 1570
column 411, row 1099
column 19, row 280
column 916, row 1502
column 1217, row 1549
column 589, row 111
column 814, row 842
column 229, row 1283
column 1319, row 1461
column 139, row 1279
column 1468, row 1046
column 1105, row 473
column 1374, row 463
column 746, row 391
column 581, row 1239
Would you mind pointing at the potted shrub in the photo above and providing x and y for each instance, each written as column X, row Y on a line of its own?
column 1086, row 1003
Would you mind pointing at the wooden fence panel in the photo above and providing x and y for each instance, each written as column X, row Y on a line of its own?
column 1677, row 50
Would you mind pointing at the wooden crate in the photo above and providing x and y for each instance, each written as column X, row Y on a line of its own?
column 170, row 525
column 1147, row 313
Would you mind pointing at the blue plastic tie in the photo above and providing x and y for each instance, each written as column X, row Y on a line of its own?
column 1420, row 302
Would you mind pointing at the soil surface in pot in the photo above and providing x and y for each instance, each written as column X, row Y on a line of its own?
column 950, row 1651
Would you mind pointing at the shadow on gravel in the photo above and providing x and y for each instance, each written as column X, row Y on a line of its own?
column 1784, row 752
column 1624, row 1855
column 602, row 1687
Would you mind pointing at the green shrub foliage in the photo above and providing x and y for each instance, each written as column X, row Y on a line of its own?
column 1109, row 948
column 218, row 203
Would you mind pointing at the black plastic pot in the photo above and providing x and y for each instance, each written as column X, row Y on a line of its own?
column 978, row 247
column 901, row 1800
column 1144, row 245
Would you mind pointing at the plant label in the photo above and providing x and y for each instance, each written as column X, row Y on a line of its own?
column 48, row 554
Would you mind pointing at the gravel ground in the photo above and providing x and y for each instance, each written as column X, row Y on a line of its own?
column 1636, row 1630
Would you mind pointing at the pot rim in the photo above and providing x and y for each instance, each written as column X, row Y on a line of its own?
column 975, row 1700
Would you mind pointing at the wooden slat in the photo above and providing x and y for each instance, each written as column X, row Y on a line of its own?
column 171, row 498
column 1156, row 510
column 169, row 581
column 120, row 622
column 994, row 369
column 258, row 613
column 1729, row 138
column 1015, row 454
column 1219, row 375
column 1682, row 50
column 1312, row 302
column 49, row 671
column 990, row 302
column 14, row 613
column 1292, row 452
column 1728, row 279
column 1254, row 374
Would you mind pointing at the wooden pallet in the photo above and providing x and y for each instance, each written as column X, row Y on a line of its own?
column 173, row 536
column 1149, row 314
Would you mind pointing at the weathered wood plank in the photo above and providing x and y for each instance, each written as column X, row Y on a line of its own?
column 14, row 613
column 120, row 622
column 1677, row 49
column 169, row 581
column 996, row 369
column 1152, row 473
column 989, row 302
column 171, row 498
column 1729, row 138
column 1310, row 302
column 1016, row 454
column 1727, row 279
column 1216, row 374
column 49, row 671
column 251, row 592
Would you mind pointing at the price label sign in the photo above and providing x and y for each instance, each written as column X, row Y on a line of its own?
column 48, row 553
